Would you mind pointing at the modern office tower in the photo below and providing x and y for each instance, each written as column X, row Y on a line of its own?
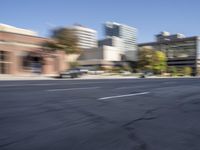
column 181, row 51
column 127, row 34
column 87, row 37
column 112, row 41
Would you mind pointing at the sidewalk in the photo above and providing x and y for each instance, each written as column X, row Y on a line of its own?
column 85, row 77
column 107, row 77
column 53, row 77
column 25, row 77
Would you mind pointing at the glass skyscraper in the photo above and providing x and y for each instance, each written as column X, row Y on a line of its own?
column 128, row 36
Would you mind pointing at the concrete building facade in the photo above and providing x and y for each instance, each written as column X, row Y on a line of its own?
column 117, row 49
column 101, row 56
column 114, row 42
column 181, row 51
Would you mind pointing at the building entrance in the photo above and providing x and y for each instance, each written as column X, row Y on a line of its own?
column 32, row 62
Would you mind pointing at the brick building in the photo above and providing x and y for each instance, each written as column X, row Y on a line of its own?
column 21, row 52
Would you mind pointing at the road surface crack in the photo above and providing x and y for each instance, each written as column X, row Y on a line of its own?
column 139, row 144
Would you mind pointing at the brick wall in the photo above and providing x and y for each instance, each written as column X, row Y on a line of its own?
column 18, row 45
column 20, row 38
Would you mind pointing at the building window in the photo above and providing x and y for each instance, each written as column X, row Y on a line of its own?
column 2, row 55
column 3, row 62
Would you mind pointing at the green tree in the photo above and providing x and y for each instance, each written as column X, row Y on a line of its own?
column 152, row 60
column 172, row 70
column 127, row 68
column 145, row 61
column 63, row 39
column 187, row 71
column 74, row 64
column 159, row 62
column 116, row 69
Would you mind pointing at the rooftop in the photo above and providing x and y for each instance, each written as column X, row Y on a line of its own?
column 12, row 29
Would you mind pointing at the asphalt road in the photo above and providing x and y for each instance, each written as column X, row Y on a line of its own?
column 129, row 114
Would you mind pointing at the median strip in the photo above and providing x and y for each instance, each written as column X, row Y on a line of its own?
column 120, row 96
column 71, row 89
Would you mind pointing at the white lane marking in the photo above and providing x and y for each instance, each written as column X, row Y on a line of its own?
column 12, row 85
column 71, row 89
column 19, row 85
column 41, row 84
column 126, row 87
column 127, row 95
column 169, row 82
column 46, row 84
column 130, row 87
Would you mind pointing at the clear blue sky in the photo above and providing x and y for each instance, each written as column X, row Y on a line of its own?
column 148, row 16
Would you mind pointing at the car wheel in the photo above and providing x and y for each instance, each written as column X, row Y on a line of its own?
column 72, row 76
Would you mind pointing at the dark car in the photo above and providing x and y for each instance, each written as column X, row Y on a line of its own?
column 72, row 73
column 142, row 76
column 146, row 74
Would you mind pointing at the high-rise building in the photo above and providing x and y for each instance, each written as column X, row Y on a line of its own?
column 87, row 37
column 128, row 36
column 112, row 41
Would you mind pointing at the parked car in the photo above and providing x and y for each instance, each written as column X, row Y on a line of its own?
column 142, row 75
column 72, row 73
column 84, row 71
column 146, row 74
column 96, row 72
